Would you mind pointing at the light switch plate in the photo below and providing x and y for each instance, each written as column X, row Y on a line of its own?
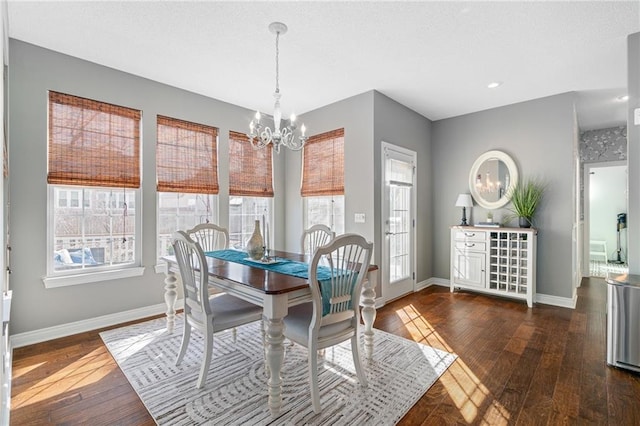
column 359, row 218
column 636, row 116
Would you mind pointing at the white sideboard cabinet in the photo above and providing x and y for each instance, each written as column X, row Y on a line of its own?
column 500, row 261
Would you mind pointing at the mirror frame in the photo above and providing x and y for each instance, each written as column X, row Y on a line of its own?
column 513, row 178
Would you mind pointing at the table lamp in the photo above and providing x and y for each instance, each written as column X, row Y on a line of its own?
column 464, row 201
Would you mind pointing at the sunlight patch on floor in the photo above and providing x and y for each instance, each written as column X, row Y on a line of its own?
column 18, row 372
column 463, row 386
column 80, row 373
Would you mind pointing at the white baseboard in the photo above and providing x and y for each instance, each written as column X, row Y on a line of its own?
column 432, row 281
column 563, row 302
column 63, row 330
column 546, row 299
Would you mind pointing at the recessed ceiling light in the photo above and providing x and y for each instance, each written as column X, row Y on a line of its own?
column 623, row 98
column 494, row 84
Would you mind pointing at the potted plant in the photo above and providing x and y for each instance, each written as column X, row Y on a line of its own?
column 525, row 197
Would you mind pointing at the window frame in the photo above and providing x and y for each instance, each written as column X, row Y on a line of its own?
column 67, row 277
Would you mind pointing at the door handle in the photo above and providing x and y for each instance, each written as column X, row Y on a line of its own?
column 390, row 233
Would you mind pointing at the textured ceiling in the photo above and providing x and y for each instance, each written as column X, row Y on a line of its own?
column 434, row 57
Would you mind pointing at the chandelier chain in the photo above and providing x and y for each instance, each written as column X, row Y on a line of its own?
column 277, row 62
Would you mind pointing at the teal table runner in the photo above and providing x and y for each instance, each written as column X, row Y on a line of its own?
column 284, row 266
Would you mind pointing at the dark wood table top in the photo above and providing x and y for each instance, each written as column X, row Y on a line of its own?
column 268, row 282
column 262, row 280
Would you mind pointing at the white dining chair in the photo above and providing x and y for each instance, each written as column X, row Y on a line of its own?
column 207, row 314
column 210, row 236
column 314, row 237
column 333, row 315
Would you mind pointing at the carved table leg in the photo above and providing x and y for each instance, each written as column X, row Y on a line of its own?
column 368, row 311
column 170, row 297
column 275, row 308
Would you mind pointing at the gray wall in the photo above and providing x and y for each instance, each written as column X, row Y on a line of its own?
column 355, row 115
column 368, row 119
column 540, row 136
column 633, row 133
column 32, row 72
column 398, row 125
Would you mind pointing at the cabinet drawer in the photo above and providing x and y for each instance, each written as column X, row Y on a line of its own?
column 471, row 245
column 470, row 235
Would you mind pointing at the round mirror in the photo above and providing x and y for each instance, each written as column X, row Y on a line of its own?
column 491, row 177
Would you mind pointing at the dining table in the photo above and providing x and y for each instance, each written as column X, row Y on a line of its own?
column 275, row 292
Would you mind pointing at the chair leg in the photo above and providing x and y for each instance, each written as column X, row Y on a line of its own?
column 355, row 351
column 186, row 335
column 234, row 333
column 208, row 348
column 313, row 378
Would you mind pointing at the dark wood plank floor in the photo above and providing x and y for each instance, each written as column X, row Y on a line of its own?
column 516, row 365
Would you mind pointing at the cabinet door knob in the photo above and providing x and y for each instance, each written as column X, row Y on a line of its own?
column 469, row 234
column 469, row 245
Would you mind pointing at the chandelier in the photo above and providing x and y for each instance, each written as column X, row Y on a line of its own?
column 261, row 136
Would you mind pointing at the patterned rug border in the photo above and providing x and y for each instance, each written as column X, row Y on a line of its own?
column 235, row 391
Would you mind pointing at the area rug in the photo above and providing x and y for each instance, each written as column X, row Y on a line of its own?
column 235, row 393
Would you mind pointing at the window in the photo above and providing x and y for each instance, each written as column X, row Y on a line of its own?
column 243, row 212
column 91, row 237
column 71, row 198
column 94, row 180
column 323, row 180
column 250, row 187
column 325, row 210
column 187, row 173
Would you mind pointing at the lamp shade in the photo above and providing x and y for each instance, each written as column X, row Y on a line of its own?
column 464, row 200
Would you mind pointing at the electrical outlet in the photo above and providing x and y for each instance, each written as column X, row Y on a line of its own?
column 359, row 218
column 636, row 116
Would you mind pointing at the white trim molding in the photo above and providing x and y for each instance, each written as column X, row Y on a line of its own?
column 563, row 302
column 63, row 330
column 91, row 277
column 432, row 281
column 545, row 299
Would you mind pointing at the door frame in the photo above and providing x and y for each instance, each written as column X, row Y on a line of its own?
column 587, row 203
column 384, row 260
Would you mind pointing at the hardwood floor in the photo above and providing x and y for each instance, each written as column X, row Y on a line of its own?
column 544, row 365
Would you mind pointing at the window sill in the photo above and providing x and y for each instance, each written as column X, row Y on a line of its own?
column 91, row 277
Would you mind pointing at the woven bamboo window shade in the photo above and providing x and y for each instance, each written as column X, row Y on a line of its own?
column 323, row 165
column 250, row 170
column 186, row 157
column 93, row 143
